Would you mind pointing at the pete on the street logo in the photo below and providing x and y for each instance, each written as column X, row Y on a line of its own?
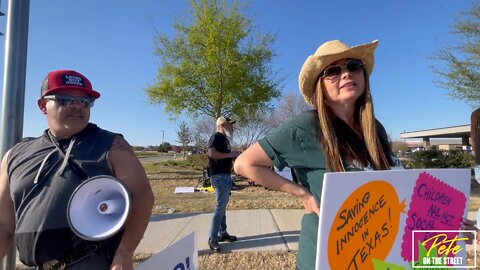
column 441, row 250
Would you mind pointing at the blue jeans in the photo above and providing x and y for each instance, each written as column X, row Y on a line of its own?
column 222, row 183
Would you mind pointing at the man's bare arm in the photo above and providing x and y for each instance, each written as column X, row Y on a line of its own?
column 127, row 168
column 7, row 216
column 213, row 153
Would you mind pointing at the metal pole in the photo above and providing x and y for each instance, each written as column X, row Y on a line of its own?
column 14, row 88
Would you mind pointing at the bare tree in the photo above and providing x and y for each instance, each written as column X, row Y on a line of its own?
column 184, row 136
column 253, row 129
column 399, row 147
column 291, row 104
column 204, row 128
column 261, row 122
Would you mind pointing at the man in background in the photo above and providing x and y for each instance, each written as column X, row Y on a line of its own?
column 220, row 157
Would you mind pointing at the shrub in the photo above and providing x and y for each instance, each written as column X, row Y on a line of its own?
column 181, row 163
column 442, row 159
column 198, row 161
column 193, row 161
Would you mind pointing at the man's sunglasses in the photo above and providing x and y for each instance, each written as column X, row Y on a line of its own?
column 352, row 65
column 68, row 101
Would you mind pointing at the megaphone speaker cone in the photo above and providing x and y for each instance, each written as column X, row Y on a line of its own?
column 112, row 206
column 98, row 208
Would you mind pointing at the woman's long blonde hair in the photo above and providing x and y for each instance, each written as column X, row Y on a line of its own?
column 364, row 118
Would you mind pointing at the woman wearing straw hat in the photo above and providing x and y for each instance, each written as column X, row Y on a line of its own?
column 340, row 134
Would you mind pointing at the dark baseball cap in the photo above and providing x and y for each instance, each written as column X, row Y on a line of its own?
column 59, row 80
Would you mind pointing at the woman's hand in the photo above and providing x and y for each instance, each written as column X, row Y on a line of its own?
column 310, row 204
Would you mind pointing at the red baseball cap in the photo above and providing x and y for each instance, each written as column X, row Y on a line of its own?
column 58, row 80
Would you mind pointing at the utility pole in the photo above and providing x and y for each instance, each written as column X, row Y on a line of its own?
column 14, row 89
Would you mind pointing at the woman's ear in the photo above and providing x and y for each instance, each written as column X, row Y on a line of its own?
column 42, row 105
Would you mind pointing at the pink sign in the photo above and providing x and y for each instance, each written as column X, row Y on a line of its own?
column 434, row 206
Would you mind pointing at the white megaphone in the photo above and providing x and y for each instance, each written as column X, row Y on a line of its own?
column 98, row 208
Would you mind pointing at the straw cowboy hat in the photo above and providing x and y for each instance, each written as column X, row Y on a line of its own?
column 326, row 54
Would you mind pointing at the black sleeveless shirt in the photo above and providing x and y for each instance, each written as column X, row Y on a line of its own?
column 41, row 193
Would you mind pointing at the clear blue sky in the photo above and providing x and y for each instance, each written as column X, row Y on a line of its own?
column 112, row 42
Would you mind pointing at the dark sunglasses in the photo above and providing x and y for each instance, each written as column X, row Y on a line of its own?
column 68, row 101
column 352, row 65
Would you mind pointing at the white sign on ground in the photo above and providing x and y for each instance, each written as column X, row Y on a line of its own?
column 398, row 219
column 183, row 255
column 184, row 190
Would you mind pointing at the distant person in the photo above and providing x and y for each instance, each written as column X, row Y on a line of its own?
column 220, row 157
column 39, row 175
column 340, row 134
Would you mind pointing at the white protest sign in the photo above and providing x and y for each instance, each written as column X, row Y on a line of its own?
column 402, row 219
column 182, row 255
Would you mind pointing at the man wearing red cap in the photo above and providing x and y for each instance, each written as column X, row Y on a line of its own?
column 38, row 177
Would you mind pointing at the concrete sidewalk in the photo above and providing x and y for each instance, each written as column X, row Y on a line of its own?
column 257, row 230
column 261, row 229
